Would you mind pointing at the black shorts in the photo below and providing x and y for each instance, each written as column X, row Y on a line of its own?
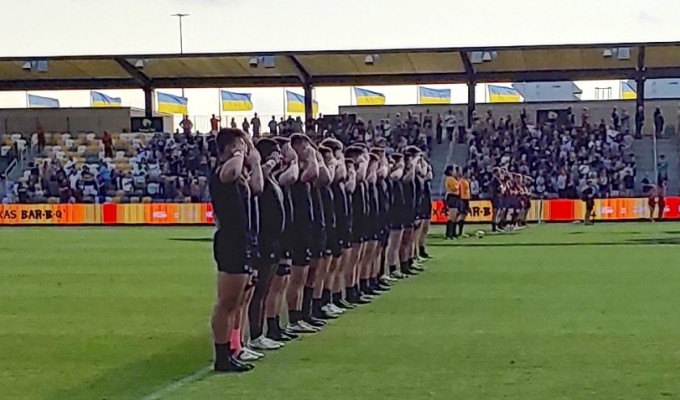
column 319, row 242
column 334, row 245
column 301, row 243
column 463, row 206
column 358, row 230
column 233, row 253
column 408, row 217
column 452, row 201
column 268, row 252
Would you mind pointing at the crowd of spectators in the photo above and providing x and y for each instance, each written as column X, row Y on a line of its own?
column 560, row 155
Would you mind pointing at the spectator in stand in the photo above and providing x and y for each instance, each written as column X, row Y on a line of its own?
column 450, row 124
column 41, row 137
column 615, row 119
column 245, row 126
column 257, row 125
column 273, row 126
column 659, row 122
column 232, row 124
column 107, row 141
column 215, row 124
column 187, row 126
column 639, row 122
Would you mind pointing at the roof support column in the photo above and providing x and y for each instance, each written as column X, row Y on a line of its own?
column 148, row 102
column 309, row 105
column 472, row 101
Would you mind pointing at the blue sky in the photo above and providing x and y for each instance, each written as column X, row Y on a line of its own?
column 51, row 27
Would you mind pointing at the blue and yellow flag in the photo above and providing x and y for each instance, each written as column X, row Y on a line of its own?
column 42, row 102
column 98, row 99
column 434, row 96
column 367, row 97
column 170, row 104
column 628, row 92
column 502, row 94
column 295, row 103
column 232, row 101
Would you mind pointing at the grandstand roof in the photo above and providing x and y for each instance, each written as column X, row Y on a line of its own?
column 344, row 67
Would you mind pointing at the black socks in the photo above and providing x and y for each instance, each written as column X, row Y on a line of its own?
column 222, row 354
column 307, row 294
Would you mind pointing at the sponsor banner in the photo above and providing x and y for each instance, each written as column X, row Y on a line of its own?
column 559, row 210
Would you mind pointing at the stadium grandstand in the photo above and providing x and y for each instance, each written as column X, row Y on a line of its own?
column 591, row 139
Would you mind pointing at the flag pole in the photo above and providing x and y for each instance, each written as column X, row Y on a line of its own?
column 350, row 95
column 219, row 104
column 283, row 91
column 418, row 94
column 28, row 103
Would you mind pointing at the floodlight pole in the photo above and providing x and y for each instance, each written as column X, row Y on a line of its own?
column 180, row 16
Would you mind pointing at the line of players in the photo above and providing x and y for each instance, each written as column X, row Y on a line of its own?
column 322, row 228
column 510, row 200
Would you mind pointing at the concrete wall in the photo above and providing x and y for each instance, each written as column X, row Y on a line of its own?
column 71, row 120
column 597, row 109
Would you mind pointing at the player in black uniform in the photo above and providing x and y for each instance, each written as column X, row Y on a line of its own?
column 343, row 279
column 396, row 206
column 419, row 181
column 237, row 175
column 379, row 280
column 303, row 224
column 338, row 235
column 270, row 206
column 286, row 176
column 411, row 156
column 372, row 224
column 353, row 294
column 324, row 220
column 425, row 209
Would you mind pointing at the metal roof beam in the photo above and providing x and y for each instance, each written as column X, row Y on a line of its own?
column 139, row 76
column 68, row 84
column 469, row 68
column 305, row 76
column 641, row 61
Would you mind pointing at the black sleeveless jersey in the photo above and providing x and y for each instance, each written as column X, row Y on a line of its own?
column 327, row 201
column 418, row 184
column 272, row 210
column 231, row 205
column 318, row 212
column 339, row 200
column 410, row 195
column 397, row 194
column 359, row 201
column 372, row 200
column 383, row 196
column 302, row 204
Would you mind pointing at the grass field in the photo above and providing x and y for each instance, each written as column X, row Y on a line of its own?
column 553, row 312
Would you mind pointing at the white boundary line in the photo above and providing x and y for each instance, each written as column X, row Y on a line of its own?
column 178, row 384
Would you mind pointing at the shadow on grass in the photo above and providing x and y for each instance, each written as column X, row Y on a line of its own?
column 629, row 242
column 145, row 376
column 192, row 239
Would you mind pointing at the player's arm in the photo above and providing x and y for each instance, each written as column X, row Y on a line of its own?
column 324, row 177
column 231, row 170
column 351, row 183
column 290, row 175
column 310, row 169
column 256, row 180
